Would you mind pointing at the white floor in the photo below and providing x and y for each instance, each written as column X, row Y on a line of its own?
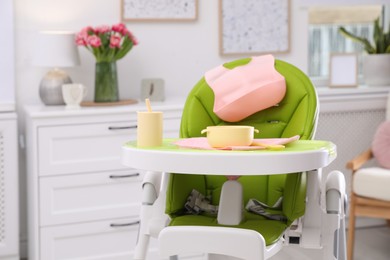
column 370, row 243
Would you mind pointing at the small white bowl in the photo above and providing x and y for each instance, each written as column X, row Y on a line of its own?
column 229, row 135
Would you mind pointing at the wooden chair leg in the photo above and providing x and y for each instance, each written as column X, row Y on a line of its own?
column 388, row 222
column 351, row 228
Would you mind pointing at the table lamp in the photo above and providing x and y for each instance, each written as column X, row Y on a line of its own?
column 55, row 49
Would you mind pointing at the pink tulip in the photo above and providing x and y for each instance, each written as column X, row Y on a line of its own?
column 87, row 30
column 131, row 36
column 102, row 29
column 80, row 40
column 82, row 36
column 94, row 41
column 115, row 41
column 119, row 37
column 120, row 28
column 134, row 40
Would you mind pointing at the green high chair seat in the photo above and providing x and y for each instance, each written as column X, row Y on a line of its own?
column 296, row 114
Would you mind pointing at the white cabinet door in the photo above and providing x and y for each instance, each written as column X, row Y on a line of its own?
column 103, row 240
column 82, row 148
column 88, row 197
column 9, row 220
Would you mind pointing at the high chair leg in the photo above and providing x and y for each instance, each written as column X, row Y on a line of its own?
column 141, row 247
column 351, row 227
column 331, row 234
column 342, row 241
column 334, row 229
column 150, row 195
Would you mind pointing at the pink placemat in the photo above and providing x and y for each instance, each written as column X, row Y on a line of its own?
column 201, row 143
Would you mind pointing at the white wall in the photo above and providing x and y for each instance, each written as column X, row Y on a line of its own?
column 178, row 52
column 7, row 93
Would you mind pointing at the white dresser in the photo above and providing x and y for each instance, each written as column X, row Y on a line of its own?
column 82, row 202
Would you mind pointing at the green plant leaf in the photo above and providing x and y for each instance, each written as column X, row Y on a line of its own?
column 379, row 37
column 367, row 45
column 126, row 47
column 387, row 40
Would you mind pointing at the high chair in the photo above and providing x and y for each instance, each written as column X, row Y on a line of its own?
column 307, row 208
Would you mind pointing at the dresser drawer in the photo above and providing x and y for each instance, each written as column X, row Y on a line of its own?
column 103, row 240
column 90, row 147
column 90, row 196
column 82, row 148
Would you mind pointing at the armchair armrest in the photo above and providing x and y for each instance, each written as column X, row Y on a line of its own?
column 359, row 160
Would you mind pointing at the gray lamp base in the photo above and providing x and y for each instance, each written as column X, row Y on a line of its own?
column 50, row 89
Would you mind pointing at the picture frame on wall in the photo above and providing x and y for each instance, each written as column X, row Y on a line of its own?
column 159, row 10
column 254, row 26
column 343, row 70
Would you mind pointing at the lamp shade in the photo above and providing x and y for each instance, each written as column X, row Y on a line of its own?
column 56, row 49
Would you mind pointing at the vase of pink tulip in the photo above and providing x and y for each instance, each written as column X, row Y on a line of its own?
column 108, row 44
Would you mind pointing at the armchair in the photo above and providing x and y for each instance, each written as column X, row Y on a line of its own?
column 370, row 196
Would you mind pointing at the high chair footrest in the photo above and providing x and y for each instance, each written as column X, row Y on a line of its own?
column 179, row 240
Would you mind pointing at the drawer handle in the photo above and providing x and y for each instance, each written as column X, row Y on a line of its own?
column 124, row 176
column 124, row 224
column 122, row 127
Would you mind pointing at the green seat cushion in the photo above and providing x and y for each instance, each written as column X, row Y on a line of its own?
column 271, row 230
column 296, row 114
column 266, row 188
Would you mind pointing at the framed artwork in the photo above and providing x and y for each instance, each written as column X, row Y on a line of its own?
column 343, row 70
column 159, row 10
column 254, row 26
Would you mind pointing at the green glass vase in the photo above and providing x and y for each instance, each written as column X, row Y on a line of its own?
column 106, row 82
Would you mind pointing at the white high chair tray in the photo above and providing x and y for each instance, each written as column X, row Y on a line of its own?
column 302, row 155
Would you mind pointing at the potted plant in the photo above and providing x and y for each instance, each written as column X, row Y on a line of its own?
column 376, row 65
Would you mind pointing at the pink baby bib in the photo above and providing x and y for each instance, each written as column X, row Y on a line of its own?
column 247, row 89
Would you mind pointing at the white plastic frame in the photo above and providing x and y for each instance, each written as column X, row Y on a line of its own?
column 322, row 227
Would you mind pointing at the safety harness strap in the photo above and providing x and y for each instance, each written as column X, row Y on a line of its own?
column 197, row 203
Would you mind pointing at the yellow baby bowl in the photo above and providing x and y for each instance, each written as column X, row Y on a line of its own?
column 229, row 135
